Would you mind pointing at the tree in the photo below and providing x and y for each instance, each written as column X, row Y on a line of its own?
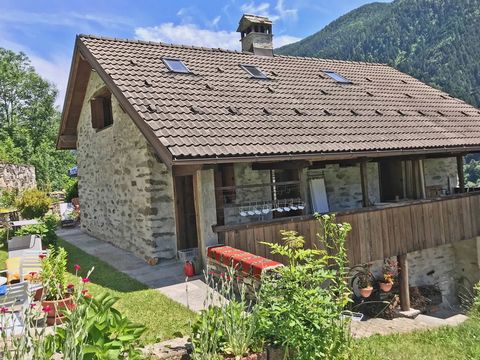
column 29, row 121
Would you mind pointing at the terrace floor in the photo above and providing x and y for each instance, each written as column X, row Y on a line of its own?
column 167, row 276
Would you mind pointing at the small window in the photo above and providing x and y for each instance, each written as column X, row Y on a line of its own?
column 337, row 77
column 254, row 71
column 176, row 65
column 101, row 107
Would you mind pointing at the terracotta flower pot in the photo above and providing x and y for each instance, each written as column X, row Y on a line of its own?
column 55, row 315
column 386, row 286
column 38, row 295
column 365, row 292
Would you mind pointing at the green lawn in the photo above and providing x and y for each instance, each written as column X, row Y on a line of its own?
column 163, row 317
column 461, row 342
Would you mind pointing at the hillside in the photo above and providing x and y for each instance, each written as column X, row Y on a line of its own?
column 436, row 41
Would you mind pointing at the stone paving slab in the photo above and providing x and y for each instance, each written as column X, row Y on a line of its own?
column 167, row 276
column 371, row 327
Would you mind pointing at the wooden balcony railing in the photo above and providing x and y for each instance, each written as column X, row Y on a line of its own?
column 377, row 232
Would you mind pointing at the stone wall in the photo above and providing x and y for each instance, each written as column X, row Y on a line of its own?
column 343, row 185
column 445, row 266
column 19, row 177
column 441, row 172
column 126, row 193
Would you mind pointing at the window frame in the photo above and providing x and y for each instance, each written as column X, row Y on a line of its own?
column 165, row 61
column 105, row 96
column 338, row 78
column 245, row 68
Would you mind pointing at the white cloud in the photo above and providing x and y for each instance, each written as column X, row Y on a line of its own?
column 192, row 35
column 263, row 9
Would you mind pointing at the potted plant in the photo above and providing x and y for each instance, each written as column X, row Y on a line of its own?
column 365, row 287
column 389, row 270
column 53, row 275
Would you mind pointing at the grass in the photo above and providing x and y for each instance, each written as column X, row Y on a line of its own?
column 461, row 342
column 164, row 318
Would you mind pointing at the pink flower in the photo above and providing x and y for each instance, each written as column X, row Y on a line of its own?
column 72, row 306
column 85, row 280
column 46, row 309
column 70, row 286
column 3, row 309
column 42, row 256
column 33, row 305
column 84, row 291
column 76, row 267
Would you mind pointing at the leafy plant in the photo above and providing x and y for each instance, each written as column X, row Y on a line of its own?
column 301, row 303
column 8, row 198
column 33, row 204
column 71, row 190
column 54, row 273
column 45, row 228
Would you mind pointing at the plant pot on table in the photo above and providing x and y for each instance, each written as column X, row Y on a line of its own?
column 386, row 286
column 365, row 292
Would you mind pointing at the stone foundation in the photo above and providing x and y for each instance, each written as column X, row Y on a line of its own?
column 19, row 177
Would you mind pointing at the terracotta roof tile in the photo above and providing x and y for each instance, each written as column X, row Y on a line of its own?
column 219, row 110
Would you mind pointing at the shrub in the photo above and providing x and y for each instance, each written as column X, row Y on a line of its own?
column 71, row 190
column 45, row 228
column 8, row 198
column 301, row 303
column 33, row 204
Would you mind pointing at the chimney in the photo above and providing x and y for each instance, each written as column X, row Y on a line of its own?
column 256, row 32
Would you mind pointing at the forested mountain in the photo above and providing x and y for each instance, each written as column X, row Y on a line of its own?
column 436, row 41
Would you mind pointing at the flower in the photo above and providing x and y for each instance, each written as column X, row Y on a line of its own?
column 88, row 296
column 71, row 306
column 76, row 267
column 85, row 280
column 70, row 286
column 84, row 291
column 42, row 256
column 32, row 305
column 32, row 273
column 46, row 309
column 3, row 309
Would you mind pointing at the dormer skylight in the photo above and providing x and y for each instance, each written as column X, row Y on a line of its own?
column 337, row 77
column 254, row 71
column 176, row 65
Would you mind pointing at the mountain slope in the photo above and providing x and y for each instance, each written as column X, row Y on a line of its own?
column 436, row 41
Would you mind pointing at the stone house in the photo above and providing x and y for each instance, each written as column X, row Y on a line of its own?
column 182, row 147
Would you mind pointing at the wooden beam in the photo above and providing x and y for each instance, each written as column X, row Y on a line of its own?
column 186, row 169
column 421, row 175
column 461, row 175
column 364, row 180
column 67, row 142
column 404, row 285
column 285, row 165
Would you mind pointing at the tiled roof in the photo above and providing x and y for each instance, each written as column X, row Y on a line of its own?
column 219, row 110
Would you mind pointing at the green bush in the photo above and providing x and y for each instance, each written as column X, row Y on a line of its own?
column 301, row 303
column 45, row 228
column 8, row 198
column 33, row 204
column 71, row 190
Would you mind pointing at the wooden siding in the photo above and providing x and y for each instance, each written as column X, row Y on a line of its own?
column 377, row 233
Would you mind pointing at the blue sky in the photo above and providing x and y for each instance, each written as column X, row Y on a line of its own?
column 45, row 30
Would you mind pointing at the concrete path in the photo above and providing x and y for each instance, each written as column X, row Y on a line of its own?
column 167, row 277
column 442, row 317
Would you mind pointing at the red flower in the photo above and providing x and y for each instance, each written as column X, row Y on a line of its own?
column 76, row 267
column 42, row 256
column 88, row 296
column 70, row 286
column 84, row 291
column 3, row 309
column 85, row 280
column 72, row 306
column 46, row 308
column 33, row 305
column 32, row 273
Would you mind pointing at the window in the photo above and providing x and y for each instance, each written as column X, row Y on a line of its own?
column 337, row 77
column 101, row 107
column 176, row 65
column 254, row 71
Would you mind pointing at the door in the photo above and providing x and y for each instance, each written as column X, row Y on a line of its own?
column 185, row 213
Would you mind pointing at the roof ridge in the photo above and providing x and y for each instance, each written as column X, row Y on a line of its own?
column 182, row 46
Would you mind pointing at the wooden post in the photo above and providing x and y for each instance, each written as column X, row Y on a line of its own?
column 404, row 286
column 421, row 175
column 364, row 180
column 303, row 179
column 461, row 175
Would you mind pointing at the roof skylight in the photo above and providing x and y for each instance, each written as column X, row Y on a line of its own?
column 254, row 71
column 337, row 77
column 176, row 65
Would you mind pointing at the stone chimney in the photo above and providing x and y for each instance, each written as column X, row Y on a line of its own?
column 256, row 32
